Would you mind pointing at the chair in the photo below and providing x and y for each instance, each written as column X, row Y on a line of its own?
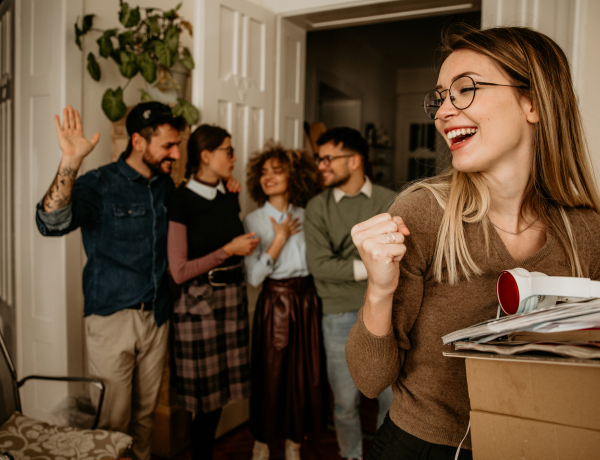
column 24, row 437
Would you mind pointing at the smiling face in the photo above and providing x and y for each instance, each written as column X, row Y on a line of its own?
column 274, row 178
column 220, row 161
column 339, row 170
column 496, row 130
column 162, row 150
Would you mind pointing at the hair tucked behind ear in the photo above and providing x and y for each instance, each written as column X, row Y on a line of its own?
column 205, row 137
column 562, row 174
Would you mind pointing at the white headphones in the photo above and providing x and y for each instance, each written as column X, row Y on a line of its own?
column 520, row 291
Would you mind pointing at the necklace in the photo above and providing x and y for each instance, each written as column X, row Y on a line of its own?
column 513, row 233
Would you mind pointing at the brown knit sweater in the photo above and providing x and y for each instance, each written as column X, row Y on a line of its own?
column 431, row 400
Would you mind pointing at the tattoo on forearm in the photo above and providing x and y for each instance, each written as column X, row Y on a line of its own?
column 59, row 193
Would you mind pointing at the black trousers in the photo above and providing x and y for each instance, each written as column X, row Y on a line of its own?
column 393, row 443
column 202, row 431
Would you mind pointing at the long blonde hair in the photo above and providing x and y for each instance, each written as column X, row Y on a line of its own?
column 561, row 167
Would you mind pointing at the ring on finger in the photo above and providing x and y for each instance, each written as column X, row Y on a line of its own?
column 391, row 237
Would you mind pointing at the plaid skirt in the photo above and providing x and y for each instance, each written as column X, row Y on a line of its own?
column 211, row 335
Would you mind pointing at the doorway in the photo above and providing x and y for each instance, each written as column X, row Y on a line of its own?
column 374, row 76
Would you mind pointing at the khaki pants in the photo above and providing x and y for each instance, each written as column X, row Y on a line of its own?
column 127, row 351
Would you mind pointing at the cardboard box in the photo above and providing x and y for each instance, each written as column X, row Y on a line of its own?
column 531, row 408
column 496, row 436
column 540, row 390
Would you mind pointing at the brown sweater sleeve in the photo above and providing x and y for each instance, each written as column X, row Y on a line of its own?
column 183, row 269
column 375, row 362
column 586, row 229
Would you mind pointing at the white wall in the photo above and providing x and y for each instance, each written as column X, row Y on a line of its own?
column 589, row 95
column 107, row 17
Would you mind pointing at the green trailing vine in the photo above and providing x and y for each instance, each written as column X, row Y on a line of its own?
column 149, row 46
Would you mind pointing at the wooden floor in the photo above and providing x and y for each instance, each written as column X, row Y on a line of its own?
column 237, row 444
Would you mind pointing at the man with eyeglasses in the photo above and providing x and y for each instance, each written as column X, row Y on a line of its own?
column 340, row 275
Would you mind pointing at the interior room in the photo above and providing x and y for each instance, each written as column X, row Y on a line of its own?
column 372, row 78
column 263, row 70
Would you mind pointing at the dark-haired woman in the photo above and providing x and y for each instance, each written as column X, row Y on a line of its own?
column 288, row 378
column 206, row 245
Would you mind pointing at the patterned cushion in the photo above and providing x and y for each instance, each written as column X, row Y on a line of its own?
column 29, row 439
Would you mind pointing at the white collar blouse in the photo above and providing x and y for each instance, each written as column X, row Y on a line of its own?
column 292, row 260
column 205, row 191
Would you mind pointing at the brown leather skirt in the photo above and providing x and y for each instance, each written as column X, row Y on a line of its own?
column 289, row 383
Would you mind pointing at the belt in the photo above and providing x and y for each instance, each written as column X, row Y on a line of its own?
column 143, row 306
column 222, row 276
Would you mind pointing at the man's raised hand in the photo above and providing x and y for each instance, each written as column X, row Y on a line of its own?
column 75, row 147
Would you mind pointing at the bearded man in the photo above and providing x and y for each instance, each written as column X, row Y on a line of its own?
column 121, row 210
column 339, row 273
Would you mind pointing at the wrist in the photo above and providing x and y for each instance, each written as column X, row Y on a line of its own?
column 228, row 250
column 72, row 163
column 376, row 296
column 377, row 314
column 280, row 237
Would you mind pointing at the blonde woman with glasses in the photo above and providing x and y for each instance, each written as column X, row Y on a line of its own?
column 520, row 193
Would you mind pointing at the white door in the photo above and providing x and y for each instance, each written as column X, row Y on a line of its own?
column 48, row 297
column 289, row 84
column 234, row 87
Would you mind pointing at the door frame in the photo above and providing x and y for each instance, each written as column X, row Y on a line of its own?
column 7, row 170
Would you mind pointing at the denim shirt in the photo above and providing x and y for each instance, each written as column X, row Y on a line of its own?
column 123, row 223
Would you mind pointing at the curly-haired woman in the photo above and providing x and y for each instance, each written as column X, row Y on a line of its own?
column 288, row 379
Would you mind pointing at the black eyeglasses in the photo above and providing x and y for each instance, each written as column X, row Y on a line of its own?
column 329, row 158
column 230, row 151
column 462, row 94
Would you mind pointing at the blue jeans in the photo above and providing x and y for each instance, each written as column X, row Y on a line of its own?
column 336, row 328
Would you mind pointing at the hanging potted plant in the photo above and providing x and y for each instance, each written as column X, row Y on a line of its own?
column 147, row 45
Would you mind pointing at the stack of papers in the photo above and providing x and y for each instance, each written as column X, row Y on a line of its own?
column 564, row 317
column 569, row 349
